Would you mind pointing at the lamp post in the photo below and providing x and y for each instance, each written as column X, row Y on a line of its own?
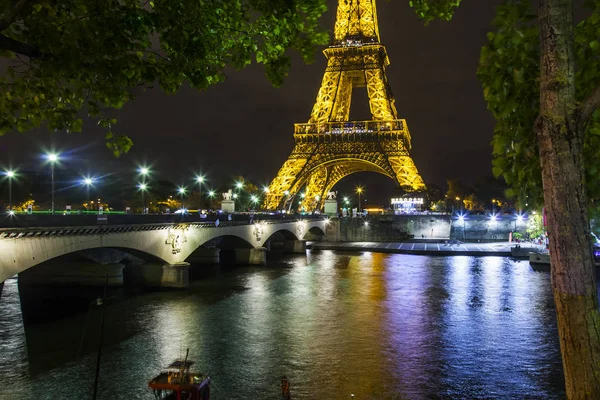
column 181, row 191
column 462, row 218
column 200, row 180
column 211, row 194
column 359, row 190
column 88, row 182
column 52, row 158
column 254, row 200
column 142, row 186
column 10, row 174
column 144, row 172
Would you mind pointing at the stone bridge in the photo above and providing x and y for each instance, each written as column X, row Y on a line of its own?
column 166, row 246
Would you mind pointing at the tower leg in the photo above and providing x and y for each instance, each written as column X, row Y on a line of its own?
column 406, row 173
column 315, row 189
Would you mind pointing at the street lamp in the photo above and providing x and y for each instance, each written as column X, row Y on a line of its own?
column 144, row 171
column 142, row 186
column 239, row 185
column 254, row 199
column 52, row 159
column 359, row 190
column 211, row 194
column 181, row 191
column 10, row 174
column 88, row 182
column 200, row 180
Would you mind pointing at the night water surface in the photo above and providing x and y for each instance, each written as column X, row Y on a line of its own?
column 379, row 326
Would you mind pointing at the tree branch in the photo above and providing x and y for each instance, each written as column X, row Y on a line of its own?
column 589, row 105
column 13, row 13
column 15, row 46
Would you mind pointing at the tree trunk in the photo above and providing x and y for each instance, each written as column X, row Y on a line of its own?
column 560, row 142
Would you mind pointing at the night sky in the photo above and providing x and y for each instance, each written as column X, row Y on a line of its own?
column 245, row 126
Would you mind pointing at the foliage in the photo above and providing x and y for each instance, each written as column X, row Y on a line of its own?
column 434, row 9
column 517, row 235
column 509, row 73
column 77, row 56
column 472, row 203
column 439, row 206
column 535, row 226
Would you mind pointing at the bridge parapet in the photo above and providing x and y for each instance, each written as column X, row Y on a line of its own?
column 171, row 243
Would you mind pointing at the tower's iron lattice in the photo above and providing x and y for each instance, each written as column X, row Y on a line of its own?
column 330, row 147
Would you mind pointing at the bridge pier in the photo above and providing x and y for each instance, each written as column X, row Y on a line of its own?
column 76, row 273
column 166, row 276
column 254, row 256
column 205, row 256
column 295, row 246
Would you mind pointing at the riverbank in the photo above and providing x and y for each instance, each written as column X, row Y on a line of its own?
column 430, row 248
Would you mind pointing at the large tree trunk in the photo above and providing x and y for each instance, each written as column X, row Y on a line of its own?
column 560, row 142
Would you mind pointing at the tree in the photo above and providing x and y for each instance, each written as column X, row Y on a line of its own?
column 71, row 56
column 535, row 226
column 541, row 82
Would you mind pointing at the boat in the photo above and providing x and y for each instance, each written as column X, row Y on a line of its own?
column 177, row 382
column 539, row 259
column 543, row 259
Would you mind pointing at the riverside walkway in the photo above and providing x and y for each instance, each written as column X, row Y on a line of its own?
column 440, row 248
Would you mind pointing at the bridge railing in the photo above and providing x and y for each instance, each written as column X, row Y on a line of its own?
column 140, row 222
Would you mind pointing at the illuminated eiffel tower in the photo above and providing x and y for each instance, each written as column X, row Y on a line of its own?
column 330, row 147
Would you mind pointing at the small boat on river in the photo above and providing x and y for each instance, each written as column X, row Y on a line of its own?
column 177, row 382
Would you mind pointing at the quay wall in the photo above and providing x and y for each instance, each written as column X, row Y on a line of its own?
column 472, row 228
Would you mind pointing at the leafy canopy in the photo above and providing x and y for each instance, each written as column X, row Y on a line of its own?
column 73, row 56
column 509, row 73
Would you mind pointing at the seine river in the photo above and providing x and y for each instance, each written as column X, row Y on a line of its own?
column 379, row 326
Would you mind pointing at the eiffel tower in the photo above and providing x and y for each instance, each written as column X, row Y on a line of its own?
column 330, row 147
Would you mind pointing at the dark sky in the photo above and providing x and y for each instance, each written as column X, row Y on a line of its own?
column 245, row 126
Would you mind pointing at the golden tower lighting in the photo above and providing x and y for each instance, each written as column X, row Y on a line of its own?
column 330, row 146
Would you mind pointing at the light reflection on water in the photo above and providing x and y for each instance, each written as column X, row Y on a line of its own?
column 379, row 326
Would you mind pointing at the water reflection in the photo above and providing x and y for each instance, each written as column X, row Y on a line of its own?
column 375, row 325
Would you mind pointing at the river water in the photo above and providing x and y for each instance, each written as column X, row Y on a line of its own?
column 379, row 326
